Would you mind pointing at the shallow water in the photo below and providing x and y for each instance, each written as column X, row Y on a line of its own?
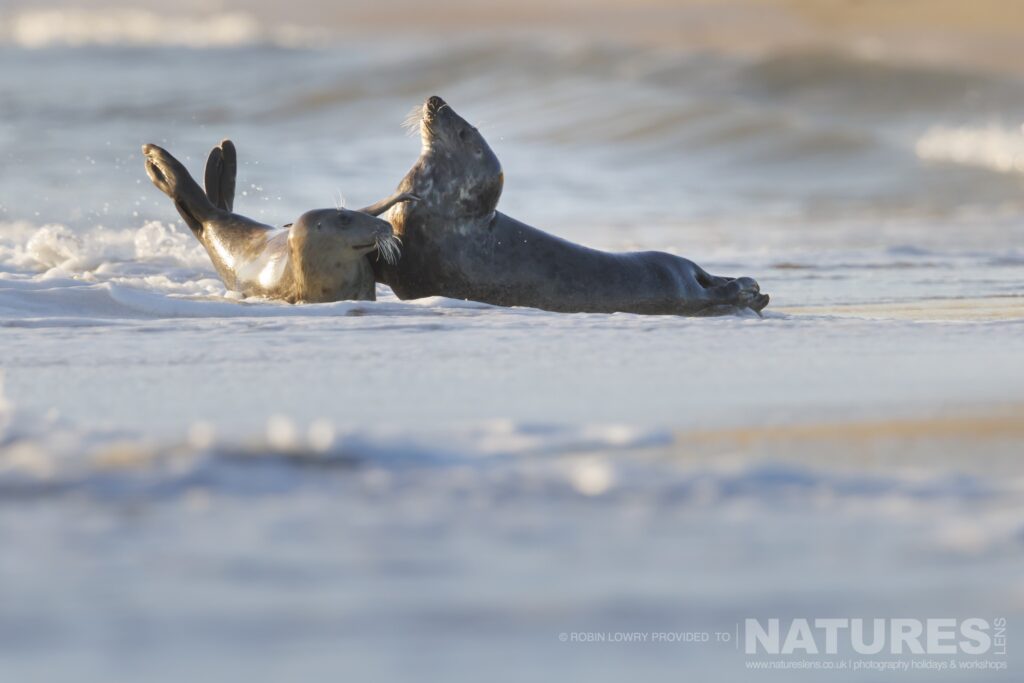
column 190, row 482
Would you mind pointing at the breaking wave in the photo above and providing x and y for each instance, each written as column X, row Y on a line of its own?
column 156, row 271
column 73, row 27
column 992, row 147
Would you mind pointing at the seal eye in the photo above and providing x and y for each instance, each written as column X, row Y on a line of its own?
column 462, row 133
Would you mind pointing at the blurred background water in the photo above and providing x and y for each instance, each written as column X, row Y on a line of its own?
column 592, row 130
column 189, row 483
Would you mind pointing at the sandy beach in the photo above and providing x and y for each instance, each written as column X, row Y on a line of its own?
column 948, row 310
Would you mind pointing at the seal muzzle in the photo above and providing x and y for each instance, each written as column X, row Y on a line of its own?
column 433, row 105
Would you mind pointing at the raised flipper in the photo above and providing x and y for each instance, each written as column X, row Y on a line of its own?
column 171, row 178
column 707, row 280
column 385, row 204
column 221, row 171
column 381, row 206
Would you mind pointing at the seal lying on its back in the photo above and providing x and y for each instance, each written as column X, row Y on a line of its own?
column 321, row 257
column 456, row 245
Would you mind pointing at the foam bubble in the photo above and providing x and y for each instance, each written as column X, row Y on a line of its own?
column 592, row 477
column 281, row 432
column 201, row 435
column 321, row 435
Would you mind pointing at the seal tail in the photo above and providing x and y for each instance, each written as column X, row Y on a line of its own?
column 171, row 178
column 221, row 171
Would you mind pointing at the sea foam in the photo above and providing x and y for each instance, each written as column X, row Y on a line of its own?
column 993, row 147
column 73, row 27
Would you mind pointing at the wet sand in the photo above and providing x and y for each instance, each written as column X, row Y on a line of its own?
column 946, row 310
column 991, row 436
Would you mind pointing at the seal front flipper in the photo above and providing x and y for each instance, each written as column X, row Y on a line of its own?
column 385, row 204
column 171, row 178
column 221, row 171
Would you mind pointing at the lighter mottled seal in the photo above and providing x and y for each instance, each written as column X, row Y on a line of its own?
column 455, row 244
column 322, row 256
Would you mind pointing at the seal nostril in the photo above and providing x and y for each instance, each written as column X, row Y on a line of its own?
column 434, row 103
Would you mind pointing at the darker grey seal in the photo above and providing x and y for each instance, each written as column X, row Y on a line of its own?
column 455, row 244
column 321, row 257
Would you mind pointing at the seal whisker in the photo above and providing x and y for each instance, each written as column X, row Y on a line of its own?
column 412, row 121
column 339, row 200
column 388, row 248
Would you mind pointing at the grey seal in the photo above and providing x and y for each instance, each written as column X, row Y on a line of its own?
column 456, row 244
column 322, row 256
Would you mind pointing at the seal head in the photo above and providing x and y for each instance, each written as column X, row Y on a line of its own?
column 328, row 250
column 460, row 177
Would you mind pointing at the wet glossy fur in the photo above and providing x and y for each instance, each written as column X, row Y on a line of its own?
column 321, row 257
column 455, row 244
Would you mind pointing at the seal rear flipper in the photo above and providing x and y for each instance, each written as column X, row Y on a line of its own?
column 707, row 280
column 190, row 220
column 759, row 302
column 221, row 171
column 171, row 178
column 743, row 292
